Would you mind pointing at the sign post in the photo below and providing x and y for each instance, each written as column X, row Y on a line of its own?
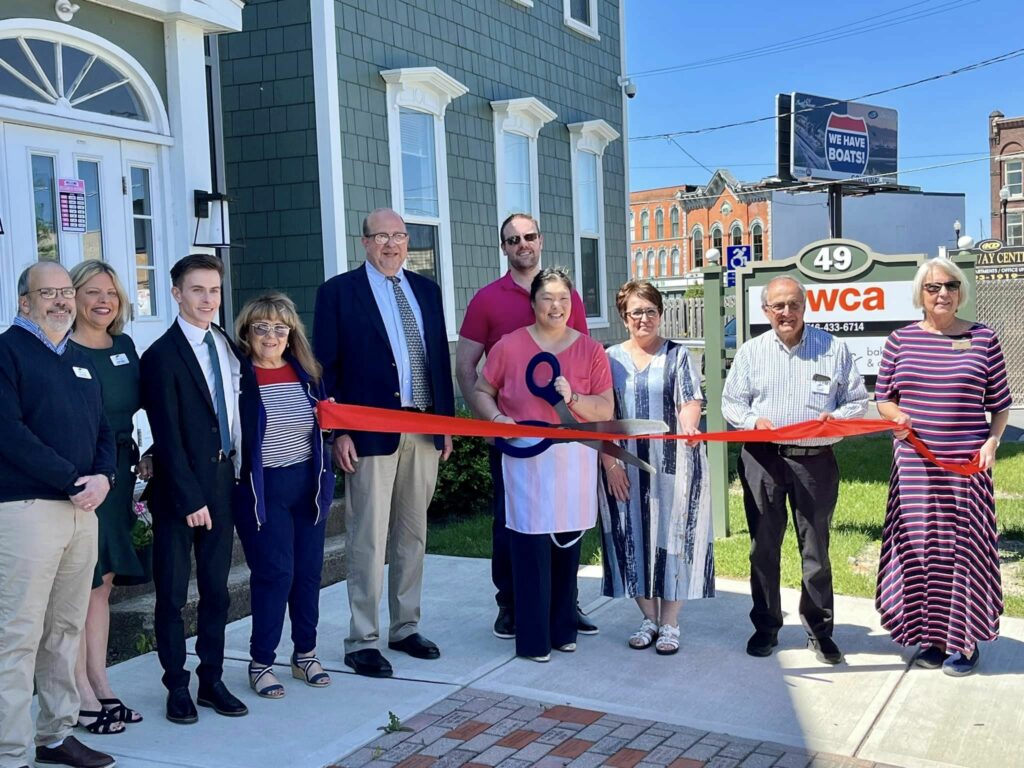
column 714, row 380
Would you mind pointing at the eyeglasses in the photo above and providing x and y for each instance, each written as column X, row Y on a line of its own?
column 262, row 329
column 782, row 306
column 516, row 239
column 382, row 238
column 953, row 286
column 639, row 314
column 51, row 293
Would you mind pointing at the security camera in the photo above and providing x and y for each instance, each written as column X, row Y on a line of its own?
column 629, row 89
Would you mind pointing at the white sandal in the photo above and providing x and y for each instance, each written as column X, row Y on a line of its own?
column 668, row 640
column 645, row 636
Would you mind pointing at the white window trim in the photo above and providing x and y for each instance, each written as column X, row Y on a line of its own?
column 524, row 3
column 591, row 136
column 426, row 89
column 578, row 26
column 524, row 117
column 1006, row 176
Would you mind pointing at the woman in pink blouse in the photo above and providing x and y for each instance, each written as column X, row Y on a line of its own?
column 551, row 498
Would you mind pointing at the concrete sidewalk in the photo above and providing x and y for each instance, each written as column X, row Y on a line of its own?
column 874, row 708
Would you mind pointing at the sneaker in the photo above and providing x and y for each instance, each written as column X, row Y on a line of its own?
column 930, row 657
column 761, row 643
column 540, row 659
column 958, row 665
column 567, row 648
column 505, row 624
column 583, row 624
column 825, row 650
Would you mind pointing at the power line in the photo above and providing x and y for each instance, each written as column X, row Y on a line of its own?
column 953, row 72
column 852, row 29
column 772, row 164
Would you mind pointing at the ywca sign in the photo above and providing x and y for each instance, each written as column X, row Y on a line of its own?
column 853, row 293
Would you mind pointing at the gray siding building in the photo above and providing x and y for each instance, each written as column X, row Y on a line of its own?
column 455, row 113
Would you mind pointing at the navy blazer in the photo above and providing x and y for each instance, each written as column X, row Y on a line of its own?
column 186, row 434
column 352, row 344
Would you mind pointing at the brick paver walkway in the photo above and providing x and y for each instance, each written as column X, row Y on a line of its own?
column 473, row 728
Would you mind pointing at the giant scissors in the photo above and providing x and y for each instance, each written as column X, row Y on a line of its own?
column 549, row 394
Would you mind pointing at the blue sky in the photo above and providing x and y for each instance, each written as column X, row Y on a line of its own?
column 939, row 122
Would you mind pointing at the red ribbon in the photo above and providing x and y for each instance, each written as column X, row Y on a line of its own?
column 364, row 419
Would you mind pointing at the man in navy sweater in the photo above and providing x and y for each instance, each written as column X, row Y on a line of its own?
column 57, row 463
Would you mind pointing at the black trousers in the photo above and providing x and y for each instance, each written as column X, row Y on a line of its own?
column 811, row 485
column 173, row 544
column 545, row 590
column 501, row 556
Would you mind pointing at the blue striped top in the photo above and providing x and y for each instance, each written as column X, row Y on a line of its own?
column 289, row 417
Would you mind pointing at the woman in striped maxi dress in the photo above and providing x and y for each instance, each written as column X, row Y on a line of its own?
column 938, row 578
column 657, row 532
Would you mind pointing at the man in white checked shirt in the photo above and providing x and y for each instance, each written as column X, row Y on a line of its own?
column 790, row 374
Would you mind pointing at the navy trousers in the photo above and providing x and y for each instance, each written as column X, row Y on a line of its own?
column 285, row 557
column 544, row 577
column 501, row 556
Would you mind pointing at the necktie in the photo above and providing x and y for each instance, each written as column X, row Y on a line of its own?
column 417, row 358
column 218, row 391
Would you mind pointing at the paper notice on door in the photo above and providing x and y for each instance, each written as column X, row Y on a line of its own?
column 72, row 204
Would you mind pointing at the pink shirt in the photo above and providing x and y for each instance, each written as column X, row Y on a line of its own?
column 583, row 363
column 503, row 306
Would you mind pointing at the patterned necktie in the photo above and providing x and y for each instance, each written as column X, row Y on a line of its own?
column 218, row 387
column 417, row 358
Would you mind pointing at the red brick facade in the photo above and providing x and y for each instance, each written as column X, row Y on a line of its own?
column 1006, row 137
column 719, row 214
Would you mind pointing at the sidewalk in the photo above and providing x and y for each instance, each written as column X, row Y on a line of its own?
column 786, row 710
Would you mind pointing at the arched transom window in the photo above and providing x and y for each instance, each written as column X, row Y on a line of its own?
column 66, row 77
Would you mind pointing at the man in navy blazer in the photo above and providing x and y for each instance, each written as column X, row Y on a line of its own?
column 379, row 332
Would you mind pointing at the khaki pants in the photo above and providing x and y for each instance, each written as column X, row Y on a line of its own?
column 47, row 556
column 388, row 494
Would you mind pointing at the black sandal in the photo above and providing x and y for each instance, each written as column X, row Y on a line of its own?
column 120, row 712
column 104, row 725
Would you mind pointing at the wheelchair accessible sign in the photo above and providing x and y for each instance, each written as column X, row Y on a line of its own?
column 736, row 256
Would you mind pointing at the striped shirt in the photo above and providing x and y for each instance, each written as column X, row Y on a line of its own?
column 788, row 386
column 290, row 419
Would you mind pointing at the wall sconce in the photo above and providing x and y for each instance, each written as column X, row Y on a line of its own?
column 213, row 227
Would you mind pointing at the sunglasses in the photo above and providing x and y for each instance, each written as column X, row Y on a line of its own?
column 516, row 239
column 953, row 286
column 262, row 329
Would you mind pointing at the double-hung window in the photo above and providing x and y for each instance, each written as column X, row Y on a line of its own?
column 588, row 141
column 1014, row 176
column 417, row 98
column 581, row 15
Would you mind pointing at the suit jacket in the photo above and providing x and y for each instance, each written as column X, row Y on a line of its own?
column 359, row 365
column 186, row 435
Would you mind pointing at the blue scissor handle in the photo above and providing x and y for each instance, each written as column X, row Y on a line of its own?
column 547, row 391
column 524, row 451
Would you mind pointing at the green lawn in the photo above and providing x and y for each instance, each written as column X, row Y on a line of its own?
column 856, row 528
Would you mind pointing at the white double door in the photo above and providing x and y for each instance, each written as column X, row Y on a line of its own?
column 123, row 198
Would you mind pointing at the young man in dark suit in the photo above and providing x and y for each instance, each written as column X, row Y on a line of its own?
column 191, row 377
column 379, row 332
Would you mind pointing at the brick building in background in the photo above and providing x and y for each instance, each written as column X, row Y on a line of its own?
column 671, row 228
column 1006, row 137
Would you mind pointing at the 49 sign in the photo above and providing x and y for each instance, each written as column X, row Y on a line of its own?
column 833, row 261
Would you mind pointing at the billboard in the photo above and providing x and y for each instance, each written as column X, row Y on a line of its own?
column 833, row 140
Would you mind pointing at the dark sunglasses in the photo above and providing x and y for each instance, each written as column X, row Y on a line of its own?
column 952, row 286
column 516, row 239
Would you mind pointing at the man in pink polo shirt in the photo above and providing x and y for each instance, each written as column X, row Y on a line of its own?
column 497, row 309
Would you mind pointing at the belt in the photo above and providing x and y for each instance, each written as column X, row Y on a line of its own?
column 795, row 451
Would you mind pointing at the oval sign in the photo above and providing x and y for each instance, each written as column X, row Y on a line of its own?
column 833, row 260
column 989, row 245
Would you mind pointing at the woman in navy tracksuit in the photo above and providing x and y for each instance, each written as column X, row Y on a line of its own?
column 285, row 489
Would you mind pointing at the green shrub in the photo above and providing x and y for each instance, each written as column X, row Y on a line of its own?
column 464, row 481
column 694, row 292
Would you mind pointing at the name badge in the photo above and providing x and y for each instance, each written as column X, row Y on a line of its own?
column 959, row 345
column 119, row 359
column 820, row 384
column 82, row 373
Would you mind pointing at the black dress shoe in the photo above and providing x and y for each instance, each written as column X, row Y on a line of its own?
column 369, row 662
column 761, row 643
column 825, row 650
column 417, row 646
column 221, row 700
column 583, row 624
column 73, row 753
column 505, row 624
column 180, row 708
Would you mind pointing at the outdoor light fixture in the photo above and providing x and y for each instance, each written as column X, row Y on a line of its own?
column 956, row 230
column 213, row 226
column 713, row 256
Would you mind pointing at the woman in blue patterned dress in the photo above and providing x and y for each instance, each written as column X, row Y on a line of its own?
column 656, row 529
column 938, row 577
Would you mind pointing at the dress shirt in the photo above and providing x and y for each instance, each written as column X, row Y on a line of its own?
column 384, row 295
column 787, row 386
column 230, row 371
column 32, row 327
